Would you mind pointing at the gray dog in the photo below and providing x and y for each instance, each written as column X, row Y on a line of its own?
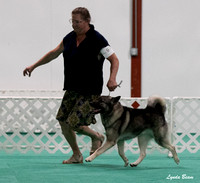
column 122, row 123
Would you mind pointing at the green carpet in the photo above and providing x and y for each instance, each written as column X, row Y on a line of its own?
column 107, row 168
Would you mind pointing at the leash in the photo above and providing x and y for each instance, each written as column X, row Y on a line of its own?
column 119, row 85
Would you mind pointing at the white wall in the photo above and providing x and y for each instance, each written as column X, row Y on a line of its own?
column 29, row 29
column 170, row 43
column 171, row 46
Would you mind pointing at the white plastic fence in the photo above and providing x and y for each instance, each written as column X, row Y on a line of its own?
column 186, row 124
column 28, row 123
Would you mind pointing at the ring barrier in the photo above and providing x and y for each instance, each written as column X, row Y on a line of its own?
column 27, row 123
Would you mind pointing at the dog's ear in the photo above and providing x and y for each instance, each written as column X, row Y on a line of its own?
column 116, row 99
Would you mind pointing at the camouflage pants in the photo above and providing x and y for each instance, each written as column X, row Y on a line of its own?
column 76, row 110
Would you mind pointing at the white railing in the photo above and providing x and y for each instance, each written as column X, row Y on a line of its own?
column 28, row 123
column 186, row 124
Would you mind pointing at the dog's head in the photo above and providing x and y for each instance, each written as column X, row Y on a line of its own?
column 104, row 104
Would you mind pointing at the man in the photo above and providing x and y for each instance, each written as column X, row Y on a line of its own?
column 84, row 51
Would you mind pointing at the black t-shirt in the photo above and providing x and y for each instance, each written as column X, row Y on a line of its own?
column 83, row 65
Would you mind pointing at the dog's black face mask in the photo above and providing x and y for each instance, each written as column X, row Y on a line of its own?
column 104, row 104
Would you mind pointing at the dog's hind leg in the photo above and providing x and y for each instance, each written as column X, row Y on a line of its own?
column 102, row 149
column 161, row 136
column 120, row 145
column 166, row 144
column 142, row 142
column 173, row 151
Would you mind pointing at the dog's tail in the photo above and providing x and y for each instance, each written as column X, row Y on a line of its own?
column 158, row 103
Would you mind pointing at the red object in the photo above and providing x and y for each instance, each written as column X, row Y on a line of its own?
column 136, row 41
column 135, row 105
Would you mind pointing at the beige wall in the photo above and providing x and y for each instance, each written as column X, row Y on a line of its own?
column 170, row 43
column 31, row 28
column 171, row 46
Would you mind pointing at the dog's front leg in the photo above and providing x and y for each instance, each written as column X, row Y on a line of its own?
column 102, row 149
column 120, row 145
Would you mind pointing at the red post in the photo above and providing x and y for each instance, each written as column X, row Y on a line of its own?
column 136, row 44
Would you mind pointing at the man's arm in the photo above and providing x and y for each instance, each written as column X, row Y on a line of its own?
column 112, row 84
column 51, row 55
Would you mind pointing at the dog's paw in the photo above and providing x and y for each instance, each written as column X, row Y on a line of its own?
column 88, row 159
column 170, row 155
column 126, row 164
column 133, row 165
column 177, row 160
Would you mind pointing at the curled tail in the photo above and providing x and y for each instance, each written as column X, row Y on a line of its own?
column 158, row 103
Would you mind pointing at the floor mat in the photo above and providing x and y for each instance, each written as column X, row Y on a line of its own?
column 107, row 168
